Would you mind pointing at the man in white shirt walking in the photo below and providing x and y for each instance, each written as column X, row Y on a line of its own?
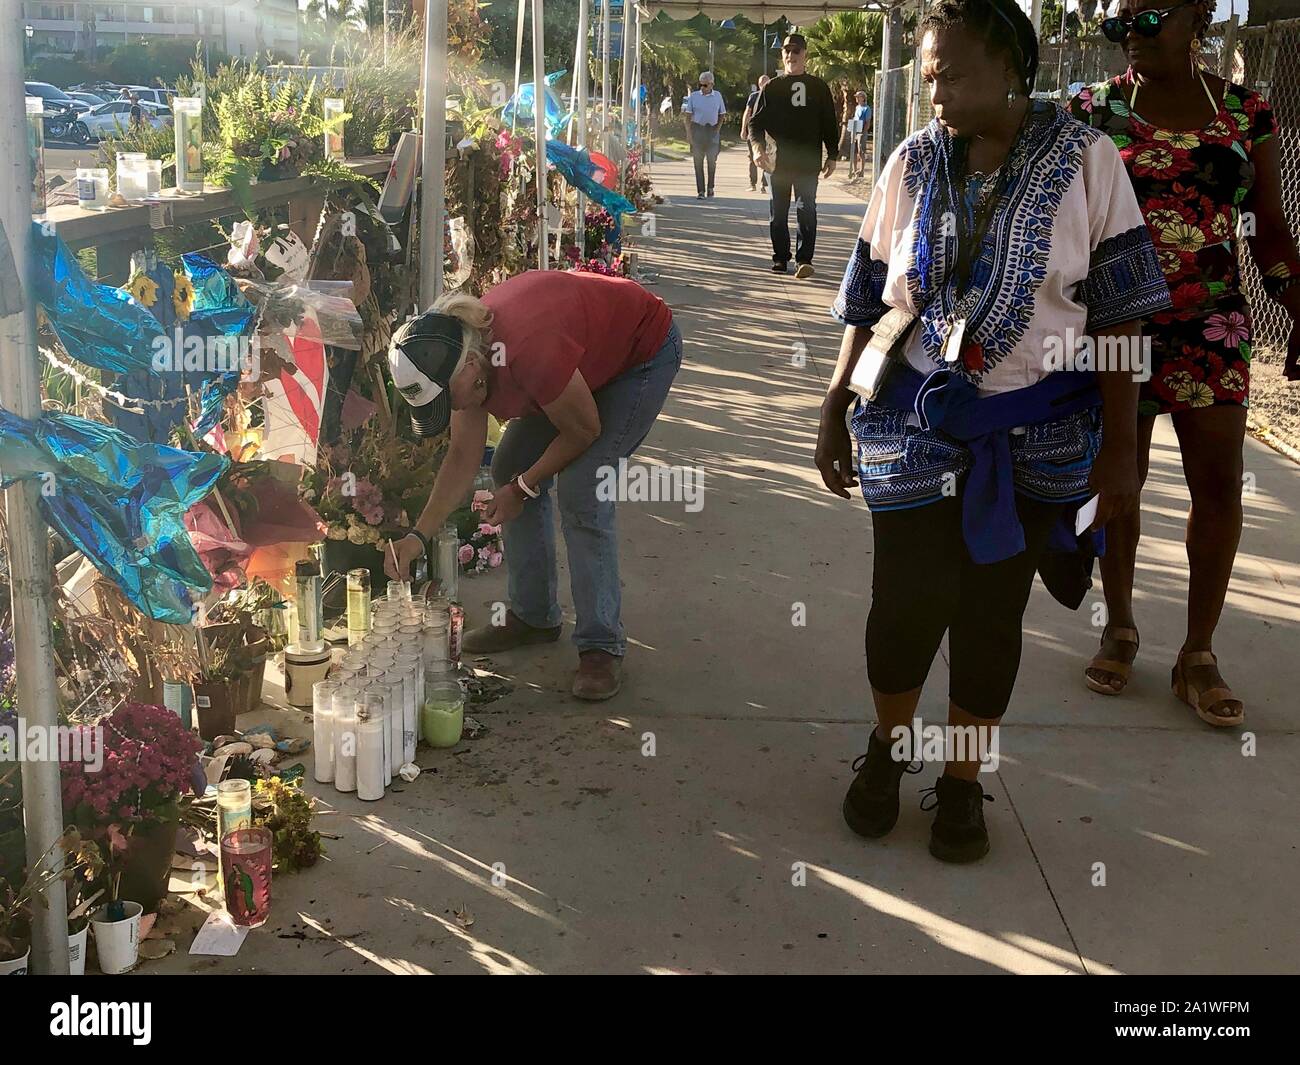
column 703, row 111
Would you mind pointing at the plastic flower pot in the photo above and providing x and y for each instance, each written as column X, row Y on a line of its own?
column 147, row 862
column 215, row 706
column 15, row 966
column 77, row 949
column 117, row 942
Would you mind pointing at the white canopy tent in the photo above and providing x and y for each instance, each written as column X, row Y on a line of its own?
column 799, row 12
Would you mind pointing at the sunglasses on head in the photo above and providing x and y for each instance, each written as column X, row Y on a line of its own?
column 1144, row 23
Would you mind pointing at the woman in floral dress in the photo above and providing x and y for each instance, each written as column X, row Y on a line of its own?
column 1204, row 163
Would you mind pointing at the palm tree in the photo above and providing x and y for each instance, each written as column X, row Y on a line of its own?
column 845, row 47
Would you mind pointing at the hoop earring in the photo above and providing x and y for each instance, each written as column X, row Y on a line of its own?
column 1011, row 98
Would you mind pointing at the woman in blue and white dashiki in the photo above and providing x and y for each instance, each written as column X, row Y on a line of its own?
column 1013, row 232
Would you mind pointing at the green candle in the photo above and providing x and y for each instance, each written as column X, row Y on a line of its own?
column 441, row 722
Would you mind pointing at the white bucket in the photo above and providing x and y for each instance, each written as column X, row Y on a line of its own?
column 16, row 967
column 117, row 942
column 77, row 951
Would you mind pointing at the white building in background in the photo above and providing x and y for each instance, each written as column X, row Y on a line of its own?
column 238, row 27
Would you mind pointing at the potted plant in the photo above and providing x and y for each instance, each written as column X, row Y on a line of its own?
column 132, row 804
column 80, row 859
column 84, row 890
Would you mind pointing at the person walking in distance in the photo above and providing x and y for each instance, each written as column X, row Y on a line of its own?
column 754, row 172
column 703, row 112
column 862, row 138
column 797, row 110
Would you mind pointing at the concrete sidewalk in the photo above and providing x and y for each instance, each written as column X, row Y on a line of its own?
column 693, row 824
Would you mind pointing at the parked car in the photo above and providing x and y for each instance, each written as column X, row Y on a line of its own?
column 113, row 118
column 59, row 109
column 149, row 95
column 51, row 94
column 86, row 100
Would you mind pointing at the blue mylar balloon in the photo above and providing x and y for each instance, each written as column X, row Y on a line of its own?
column 519, row 109
column 97, row 324
column 120, row 502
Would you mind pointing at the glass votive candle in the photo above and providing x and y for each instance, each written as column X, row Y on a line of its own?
column 246, row 875
column 131, row 178
column 412, row 669
column 234, row 811
column 443, row 715
column 342, row 676
column 234, row 805
column 345, row 737
column 371, row 773
column 92, row 188
column 153, row 178
column 322, row 729
column 436, row 647
column 399, row 591
column 398, row 681
column 380, row 687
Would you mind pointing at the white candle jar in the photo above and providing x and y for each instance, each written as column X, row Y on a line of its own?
column 345, row 738
column 92, row 188
column 369, row 712
column 322, row 729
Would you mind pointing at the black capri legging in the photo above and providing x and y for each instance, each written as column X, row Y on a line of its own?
column 924, row 584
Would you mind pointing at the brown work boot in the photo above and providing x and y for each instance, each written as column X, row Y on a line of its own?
column 488, row 639
column 599, row 676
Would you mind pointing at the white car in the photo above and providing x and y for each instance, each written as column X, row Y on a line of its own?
column 113, row 118
column 152, row 96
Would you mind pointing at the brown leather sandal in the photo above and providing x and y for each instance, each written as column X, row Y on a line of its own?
column 1123, row 670
column 1208, row 702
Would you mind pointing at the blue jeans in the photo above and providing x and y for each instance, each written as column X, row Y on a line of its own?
column 706, row 142
column 804, row 186
column 628, row 407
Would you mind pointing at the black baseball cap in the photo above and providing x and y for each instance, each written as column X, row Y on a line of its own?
column 421, row 357
column 795, row 41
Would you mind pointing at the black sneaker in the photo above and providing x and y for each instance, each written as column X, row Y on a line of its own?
column 780, row 268
column 871, row 804
column 710, row 194
column 958, row 833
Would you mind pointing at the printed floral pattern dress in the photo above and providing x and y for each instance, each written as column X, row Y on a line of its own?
column 1190, row 186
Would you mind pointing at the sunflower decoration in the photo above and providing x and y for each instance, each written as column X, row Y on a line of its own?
column 182, row 296
column 143, row 289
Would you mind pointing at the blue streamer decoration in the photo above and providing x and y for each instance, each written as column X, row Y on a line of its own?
column 120, row 502
column 576, row 167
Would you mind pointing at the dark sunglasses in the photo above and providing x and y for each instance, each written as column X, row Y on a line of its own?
column 1144, row 23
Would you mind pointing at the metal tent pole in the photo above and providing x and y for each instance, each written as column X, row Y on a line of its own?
column 629, row 15
column 636, row 84
column 433, row 156
column 580, row 75
column 29, row 563
column 604, row 72
column 539, row 128
column 519, row 58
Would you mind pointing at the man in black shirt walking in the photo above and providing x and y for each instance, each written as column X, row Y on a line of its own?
column 797, row 111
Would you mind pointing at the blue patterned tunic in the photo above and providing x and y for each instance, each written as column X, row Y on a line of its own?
column 1066, row 253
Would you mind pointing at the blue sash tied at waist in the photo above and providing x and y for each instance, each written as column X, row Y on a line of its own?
column 950, row 403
